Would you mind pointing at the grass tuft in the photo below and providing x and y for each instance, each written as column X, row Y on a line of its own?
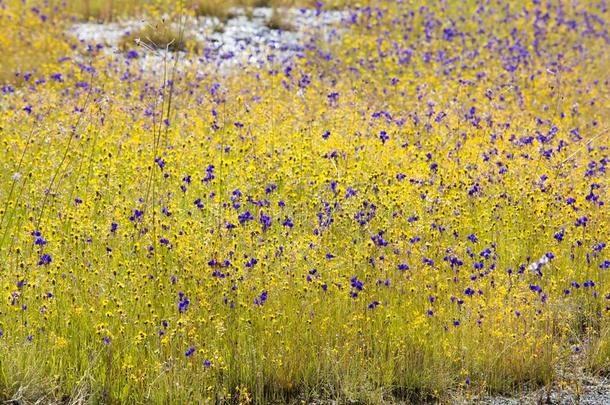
column 279, row 20
column 160, row 36
column 213, row 8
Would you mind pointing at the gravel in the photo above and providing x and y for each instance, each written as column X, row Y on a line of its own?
column 585, row 390
column 244, row 40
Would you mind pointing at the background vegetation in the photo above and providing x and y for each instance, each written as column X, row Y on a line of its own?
column 415, row 212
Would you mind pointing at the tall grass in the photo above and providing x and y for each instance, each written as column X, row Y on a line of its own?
column 410, row 214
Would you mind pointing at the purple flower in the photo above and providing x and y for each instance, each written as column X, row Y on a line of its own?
column 44, row 259
column 132, row 54
column 383, row 135
column 356, row 284
column 261, row 300
column 137, row 215
column 160, row 162
column 559, row 235
column 209, row 176
column 373, row 305
column 40, row 241
column 332, row 98
column 582, row 221
column 485, row 253
column 378, row 239
column 244, row 217
column 350, row 192
column 288, row 222
column 265, row 220
column 184, row 302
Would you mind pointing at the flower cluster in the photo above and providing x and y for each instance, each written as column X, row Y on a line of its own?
column 421, row 192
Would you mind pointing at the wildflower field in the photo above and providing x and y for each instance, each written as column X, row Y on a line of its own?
column 411, row 207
